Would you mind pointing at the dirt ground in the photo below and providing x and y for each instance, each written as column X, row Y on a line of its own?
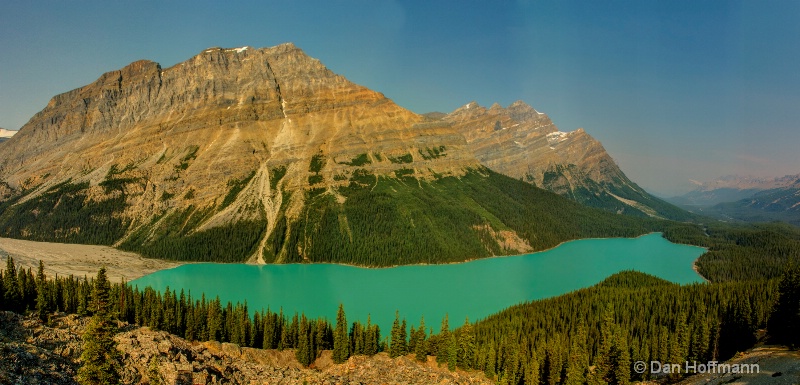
column 80, row 260
column 777, row 365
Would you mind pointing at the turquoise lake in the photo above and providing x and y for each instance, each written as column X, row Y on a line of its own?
column 475, row 289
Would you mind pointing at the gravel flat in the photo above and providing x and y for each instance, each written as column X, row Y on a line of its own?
column 80, row 260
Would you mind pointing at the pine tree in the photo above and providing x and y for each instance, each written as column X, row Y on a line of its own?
column 403, row 338
column 578, row 359
column 304, row 351
column 602, row 360
column 153, row 374
column 2, row 292
column 466, row 345
column 532, row 371
column 100, row 358
column 420, row 350
column 13, row 296
column 341, row 342
column 444, row 337
column 785, row 318
column 491, row 362
column 621, row 360
column 394, row 336
column 41, row 293
column 452, row 352
column 412, row 340
column 371, row 342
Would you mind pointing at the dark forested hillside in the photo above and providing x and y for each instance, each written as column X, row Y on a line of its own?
column 740, row 252
column 388, row 221
column 629, row 317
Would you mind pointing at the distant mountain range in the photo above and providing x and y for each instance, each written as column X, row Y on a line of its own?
column 6, row 134
column 266, row 155
column 747, row 199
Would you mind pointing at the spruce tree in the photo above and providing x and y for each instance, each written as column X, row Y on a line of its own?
column 371, row 343
column 304, row 351
column 602, row 360
column 578, row 359
column 452, row 352
column 41, row 293
column 491, row 362
column 2, row 292
column 100, row 358
column 341, row 341
column 621, row 360
column 532, row 371
column 420, row 350
column 403, row 338
column 412, row 339
column 13, row 295
column 466, row 345
column 444, row 337
column 153, row 374
column 785, row 318
column 394, row 342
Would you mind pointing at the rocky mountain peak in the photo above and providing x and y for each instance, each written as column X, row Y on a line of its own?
column 522, row 142
column 259, row 122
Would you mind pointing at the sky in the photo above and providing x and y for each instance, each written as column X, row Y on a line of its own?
column 675, row 90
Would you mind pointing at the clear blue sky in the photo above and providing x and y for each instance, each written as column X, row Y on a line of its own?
column 675, row 90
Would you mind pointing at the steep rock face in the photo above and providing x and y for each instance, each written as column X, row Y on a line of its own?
column 215, row 140
column 277, row 105
column 524, row 143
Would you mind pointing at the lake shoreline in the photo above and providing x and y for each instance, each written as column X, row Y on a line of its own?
column 84, row 260
column 475, row 290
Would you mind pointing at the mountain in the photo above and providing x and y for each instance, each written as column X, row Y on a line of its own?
column 729, row 189
column 6, row 134
column 266, row 155
column 523, row 143
column 777, row 204
column 747, row 199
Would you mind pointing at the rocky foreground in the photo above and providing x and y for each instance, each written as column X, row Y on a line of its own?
column 33, row 353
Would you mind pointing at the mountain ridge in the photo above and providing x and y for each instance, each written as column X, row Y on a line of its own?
column 745, row 198
column 243, row 153
column 523, row 143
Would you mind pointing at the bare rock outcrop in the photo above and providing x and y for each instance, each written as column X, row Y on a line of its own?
column 32, row 353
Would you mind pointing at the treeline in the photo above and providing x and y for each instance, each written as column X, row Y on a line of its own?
column 628, row 317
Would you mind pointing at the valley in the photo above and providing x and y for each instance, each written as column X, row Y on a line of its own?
column 246, row 193
column 266, row 155
column 473, row 290
column 746, row 199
